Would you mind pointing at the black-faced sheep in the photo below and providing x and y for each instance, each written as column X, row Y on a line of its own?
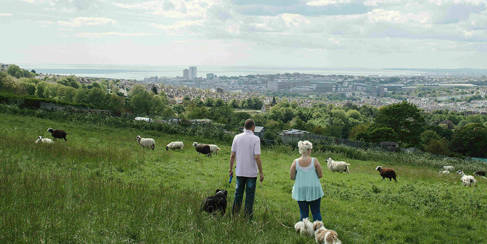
column 386, row 173
column 202, row 148
column 146, row 142
column 467, row 180
column 61, row 134
column 175, row 145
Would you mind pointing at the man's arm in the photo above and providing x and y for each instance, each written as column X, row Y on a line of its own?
column 259, row 165
column 232, row 160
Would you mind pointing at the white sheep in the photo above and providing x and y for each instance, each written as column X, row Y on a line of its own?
column 338, row 166
column 448, row 167
column 214, row 148
column 43, row 140
column 146, row 142
column 175, row 145
column 444, row 172
column 467, row 180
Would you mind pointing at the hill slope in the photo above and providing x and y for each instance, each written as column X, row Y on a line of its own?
column 101, row 186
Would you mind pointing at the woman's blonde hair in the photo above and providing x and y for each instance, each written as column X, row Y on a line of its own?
column 304, row 146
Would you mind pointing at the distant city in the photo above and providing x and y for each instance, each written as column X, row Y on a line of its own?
column 457, row 90
column 430, row 92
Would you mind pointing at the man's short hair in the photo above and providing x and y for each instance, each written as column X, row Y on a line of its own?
column 249, row 124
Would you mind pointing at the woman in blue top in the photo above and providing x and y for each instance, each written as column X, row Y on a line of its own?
column 306, row 173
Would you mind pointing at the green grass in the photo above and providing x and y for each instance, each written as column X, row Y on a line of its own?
column 101, row 186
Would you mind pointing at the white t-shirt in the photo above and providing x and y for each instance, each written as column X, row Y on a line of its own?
column 246, row 145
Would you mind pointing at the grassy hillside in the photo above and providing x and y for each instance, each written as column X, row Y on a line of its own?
column 100, row 186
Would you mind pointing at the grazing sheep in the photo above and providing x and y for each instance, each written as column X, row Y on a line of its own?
column 387, row 173
column 467, row 180
column 448, row 167
column 214, row 148
column 61, row 134
column 44, row 140
column 202, row 148
column 338, row 166
column 175, row 145
column 146, row 142
column 479, row 173
column 444, row 172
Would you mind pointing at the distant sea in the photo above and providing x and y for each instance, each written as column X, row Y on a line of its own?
column 139, row 72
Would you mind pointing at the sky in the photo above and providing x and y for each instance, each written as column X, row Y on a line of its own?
column 278, row 33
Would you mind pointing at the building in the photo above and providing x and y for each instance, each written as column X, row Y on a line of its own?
column 292, row 136
column 186, row 74
column 193, row 72
column 210, row 76
column 259, row 131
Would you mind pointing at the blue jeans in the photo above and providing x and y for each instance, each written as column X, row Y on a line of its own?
column 248, row 184
column 304, row 207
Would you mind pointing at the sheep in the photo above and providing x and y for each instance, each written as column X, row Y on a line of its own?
column 338, row 166
column 387, row 173
column 202, row 148
column 57, row 133
column 146, row 142
column 467, row 180
column 448, row 167
column 479, row 173
column 44, row 140
column 175, row 145
column 444, row 172
column 214, row 148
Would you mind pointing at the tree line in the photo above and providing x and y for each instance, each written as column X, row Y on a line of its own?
column 441, row 132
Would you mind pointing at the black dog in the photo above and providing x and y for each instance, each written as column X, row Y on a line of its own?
column 218, row 202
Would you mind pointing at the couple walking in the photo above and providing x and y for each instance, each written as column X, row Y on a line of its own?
column 305, row 171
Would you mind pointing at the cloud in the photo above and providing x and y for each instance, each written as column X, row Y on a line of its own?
column 180, row 26
column 86, row 21
column 171, row 8
column 5, row 14
column 111, row 34
column 327, row 2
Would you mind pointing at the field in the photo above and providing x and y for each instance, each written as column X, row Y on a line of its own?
column 101, row 187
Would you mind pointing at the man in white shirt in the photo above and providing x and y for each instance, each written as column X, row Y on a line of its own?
column 246, row 150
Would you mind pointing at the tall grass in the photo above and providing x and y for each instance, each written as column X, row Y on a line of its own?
column 100, row 186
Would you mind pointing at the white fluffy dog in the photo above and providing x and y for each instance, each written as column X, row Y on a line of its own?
column 304, row 227
column 323, row 235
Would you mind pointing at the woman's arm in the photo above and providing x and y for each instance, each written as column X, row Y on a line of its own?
column 319, row 172
column 292, row 172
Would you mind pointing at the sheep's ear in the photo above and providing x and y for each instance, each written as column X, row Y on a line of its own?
column 217, row 190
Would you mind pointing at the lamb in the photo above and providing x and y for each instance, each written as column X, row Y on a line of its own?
column 467, row 180
column 202, row 148
column 175, row 145
column 214, row 148
column 146, row 142
column 337, row 166
column 61, row 134
column 44, row 140
column 448, row 167
column 387, row 173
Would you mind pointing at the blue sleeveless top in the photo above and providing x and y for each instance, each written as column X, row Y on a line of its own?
column 307, row 186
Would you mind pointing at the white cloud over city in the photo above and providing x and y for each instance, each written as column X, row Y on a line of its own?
column 318, row 33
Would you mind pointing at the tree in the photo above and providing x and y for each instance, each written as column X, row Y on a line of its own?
column 234, row 103
column 404, row 119
column 437, row 146
column 470, row 140
column 69, row 81
column 427, row 136
column 17, row 72
column 377, row 135
column 154, row 90
column 41, row 90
